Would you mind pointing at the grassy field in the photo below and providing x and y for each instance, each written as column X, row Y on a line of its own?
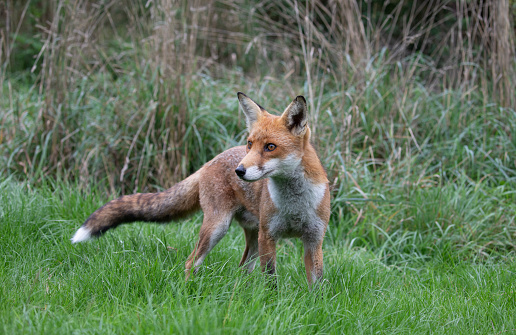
column 132, row 280
column 412, row 111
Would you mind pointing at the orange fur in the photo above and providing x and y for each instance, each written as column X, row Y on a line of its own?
column 275, row 187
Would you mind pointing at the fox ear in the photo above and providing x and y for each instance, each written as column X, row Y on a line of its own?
column 252, row 110
column 295, row 116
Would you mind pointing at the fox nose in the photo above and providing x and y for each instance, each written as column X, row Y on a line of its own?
column 240, row 171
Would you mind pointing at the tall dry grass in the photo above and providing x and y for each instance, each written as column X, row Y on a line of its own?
column 118, row 88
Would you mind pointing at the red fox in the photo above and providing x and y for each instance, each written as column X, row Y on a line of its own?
column 275, row 187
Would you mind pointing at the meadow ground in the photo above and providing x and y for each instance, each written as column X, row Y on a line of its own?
column 132, row 280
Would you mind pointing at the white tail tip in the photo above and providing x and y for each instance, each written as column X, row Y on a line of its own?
column 83, row 234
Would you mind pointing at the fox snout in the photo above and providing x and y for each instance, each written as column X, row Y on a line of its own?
column 256, row 172
column 252, row 173
column 240, row 171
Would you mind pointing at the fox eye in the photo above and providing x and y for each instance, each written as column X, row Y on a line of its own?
column 249, row 144
column 270, row 147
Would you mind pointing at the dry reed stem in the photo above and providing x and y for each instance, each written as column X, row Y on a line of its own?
column 503, row 50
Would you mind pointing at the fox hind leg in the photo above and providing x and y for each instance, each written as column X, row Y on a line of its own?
column 213, row 229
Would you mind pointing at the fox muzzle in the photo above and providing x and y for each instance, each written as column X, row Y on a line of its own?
column 240, row 171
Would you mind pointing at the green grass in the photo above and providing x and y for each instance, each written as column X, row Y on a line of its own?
column 377, row 280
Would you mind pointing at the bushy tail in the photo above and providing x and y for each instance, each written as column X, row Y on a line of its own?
column 177, row 202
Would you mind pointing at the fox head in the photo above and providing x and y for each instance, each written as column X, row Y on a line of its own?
column 275, row 144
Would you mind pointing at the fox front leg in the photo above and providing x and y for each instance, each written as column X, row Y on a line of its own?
column 267, row 252
column 313, row 263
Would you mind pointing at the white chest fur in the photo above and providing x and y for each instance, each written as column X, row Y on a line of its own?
column 296, row 200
